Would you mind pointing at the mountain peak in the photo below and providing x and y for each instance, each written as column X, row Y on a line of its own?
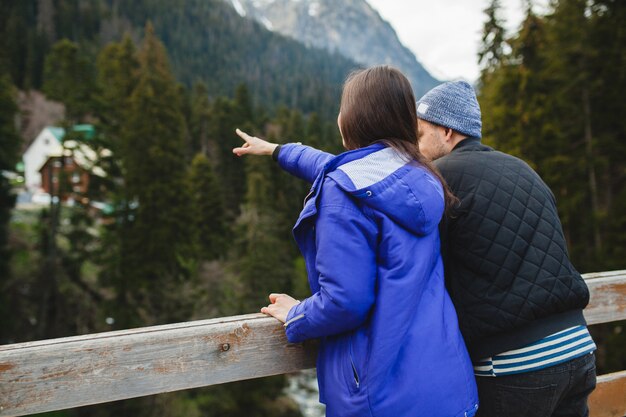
column 350, row 27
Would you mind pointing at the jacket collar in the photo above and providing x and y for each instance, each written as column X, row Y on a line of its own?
column 310, row 208
column 466, row 142
column 349, row 156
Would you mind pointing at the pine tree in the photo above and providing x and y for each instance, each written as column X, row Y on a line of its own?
column 497, row 85
column 9, row 147
column 207, row 209
column 315, row 131
column 492, row 49
column 243, row 105
column 199, row 120
column 225, row 116
column 527, row 71
column 261, row 262
column 555, row 103
column 116, row 79
column 69, row 78
column 117, row 72
column 607, row 20
column 157, row 252
column 569, row 62
column 262, row 255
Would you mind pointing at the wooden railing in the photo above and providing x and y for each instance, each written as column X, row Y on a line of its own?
column 65, row 373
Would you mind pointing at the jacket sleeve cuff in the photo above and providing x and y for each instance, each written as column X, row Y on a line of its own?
column 275, row 153
column 295, row 317
column 293, row 311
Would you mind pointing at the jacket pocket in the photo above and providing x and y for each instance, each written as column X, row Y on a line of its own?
column 355, row 380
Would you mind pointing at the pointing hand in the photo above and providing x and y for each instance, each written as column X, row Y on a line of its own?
column 253, row 145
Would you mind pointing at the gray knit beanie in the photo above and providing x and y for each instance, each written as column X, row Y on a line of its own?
column 453, row 105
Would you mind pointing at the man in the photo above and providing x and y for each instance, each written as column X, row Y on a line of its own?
column 517, row 295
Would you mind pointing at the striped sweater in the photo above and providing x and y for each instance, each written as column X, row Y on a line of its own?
column 551, row 350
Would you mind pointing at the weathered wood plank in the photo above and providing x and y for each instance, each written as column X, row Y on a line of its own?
column 605, row 274
column 609, row 398
column 71, row 372
column 608, row 297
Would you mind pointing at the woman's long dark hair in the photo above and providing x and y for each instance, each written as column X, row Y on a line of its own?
column 378, row 105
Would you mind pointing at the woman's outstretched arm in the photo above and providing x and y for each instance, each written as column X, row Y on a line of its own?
column 301, row 161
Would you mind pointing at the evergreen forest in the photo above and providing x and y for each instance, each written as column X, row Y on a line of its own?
column 190, row 231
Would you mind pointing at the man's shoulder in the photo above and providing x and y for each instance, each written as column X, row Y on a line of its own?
column 475, row 157
column 462, row 159
column 469, row 168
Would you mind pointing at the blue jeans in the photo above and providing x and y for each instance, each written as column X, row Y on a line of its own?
column 557, row 391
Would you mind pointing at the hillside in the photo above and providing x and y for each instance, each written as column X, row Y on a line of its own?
column 351, row 27
column 207, row 40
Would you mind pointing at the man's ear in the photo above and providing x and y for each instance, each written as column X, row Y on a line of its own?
column 448, row 133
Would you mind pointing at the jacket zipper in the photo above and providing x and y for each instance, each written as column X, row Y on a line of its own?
column 307, row 196
column 356, row 374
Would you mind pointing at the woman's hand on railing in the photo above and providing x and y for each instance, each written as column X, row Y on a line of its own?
column 253, row 145
column 280, row 306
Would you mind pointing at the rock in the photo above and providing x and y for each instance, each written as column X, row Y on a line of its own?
column 350, row 27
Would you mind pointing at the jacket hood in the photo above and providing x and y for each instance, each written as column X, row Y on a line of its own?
column 389, row 183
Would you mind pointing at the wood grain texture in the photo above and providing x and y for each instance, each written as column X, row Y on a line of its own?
column 608, row 297
column 606, row 274
column 609, row 398
column 70, row 372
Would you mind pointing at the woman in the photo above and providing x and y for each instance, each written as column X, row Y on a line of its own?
column 390, row 343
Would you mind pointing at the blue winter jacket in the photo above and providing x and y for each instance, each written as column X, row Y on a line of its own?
column 390, row 342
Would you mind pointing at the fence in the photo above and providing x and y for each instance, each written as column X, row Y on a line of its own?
column 71, row 372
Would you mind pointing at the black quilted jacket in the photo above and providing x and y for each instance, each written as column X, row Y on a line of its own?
column 507, row 267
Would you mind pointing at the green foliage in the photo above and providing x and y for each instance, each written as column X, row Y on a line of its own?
column 207, row 209
column 19, row 284
column 261, row 255
column 9, row 146
column 116, row 78
column 492, row 50
column 153, row 163
column 197, row 232
column 69, row 78
column 9, row 140
column 200, row 110
column 22, row 49
column 208, row 41
column 188, row 238
column 51, row 296
column 555, row 100
column 211, row 40
column 257, row 397
column 64, row 285
column 225, row 116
